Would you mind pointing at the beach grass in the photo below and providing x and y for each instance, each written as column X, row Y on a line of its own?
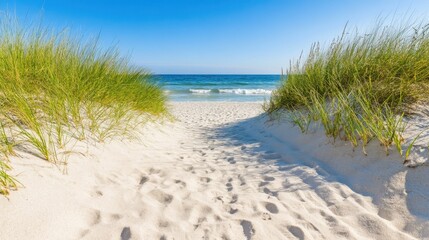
column 361, row 86
column 55, row 87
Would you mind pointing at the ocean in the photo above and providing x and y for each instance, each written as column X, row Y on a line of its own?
column 218, row 87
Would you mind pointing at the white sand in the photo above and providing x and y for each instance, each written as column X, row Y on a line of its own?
column 219, row 172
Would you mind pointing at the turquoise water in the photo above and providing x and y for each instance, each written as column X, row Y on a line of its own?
column 218, row 87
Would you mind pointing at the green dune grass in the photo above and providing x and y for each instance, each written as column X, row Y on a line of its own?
column 54, row 87
column 360, row 87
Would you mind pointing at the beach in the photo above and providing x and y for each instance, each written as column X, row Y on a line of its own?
column 218, row 170
column 214, row 120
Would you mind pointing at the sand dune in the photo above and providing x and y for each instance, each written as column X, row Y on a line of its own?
column 220, row 171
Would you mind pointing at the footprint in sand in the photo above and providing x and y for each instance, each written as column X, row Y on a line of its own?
column 220, row 198
column 269, row 179
column 183, row 184
column 271, row 207
column 161, row 196
column 269, row 192
column 242, row 180
column 233, row 210
column 231, row 160
column 126, row 233
column 97, row 193
column 331, row 221
column 234, row 198
column 163, row 224
column 143, row 180
column 296, row 231
column 248, row 229
column 205, row 179
column 266, row 216
column 229, row 187
column 261, row 184
column 96, row 219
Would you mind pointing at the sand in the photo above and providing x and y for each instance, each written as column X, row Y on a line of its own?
column 220, row 171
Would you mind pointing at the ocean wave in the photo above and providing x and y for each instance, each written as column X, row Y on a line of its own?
column 258, row 91
column 239, row 91
column 200, row 91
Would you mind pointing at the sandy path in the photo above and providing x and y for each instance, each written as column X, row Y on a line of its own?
column 214, row 180
column 212, row 175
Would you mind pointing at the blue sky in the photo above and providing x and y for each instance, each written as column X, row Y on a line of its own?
column 214, row 36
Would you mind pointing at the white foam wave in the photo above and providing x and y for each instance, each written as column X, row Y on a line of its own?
column 240, row 91
column 200, row 91
column 246, row 91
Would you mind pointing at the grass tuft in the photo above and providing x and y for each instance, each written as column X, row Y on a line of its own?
column 55, row 87
column 361, row 86
column 7, row 183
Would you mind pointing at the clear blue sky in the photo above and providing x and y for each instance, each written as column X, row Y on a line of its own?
column 214, row 36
